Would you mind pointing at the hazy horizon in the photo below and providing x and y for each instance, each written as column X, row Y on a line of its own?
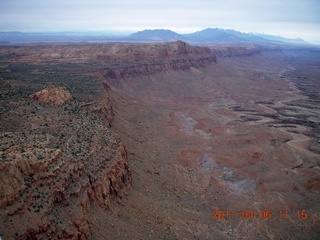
column 290, row 19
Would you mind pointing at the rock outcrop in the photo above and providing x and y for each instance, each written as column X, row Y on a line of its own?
column 53, row 95
column 52, row 198
column 102, row 107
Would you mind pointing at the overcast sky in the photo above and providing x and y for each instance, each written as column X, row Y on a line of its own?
column 288, row 18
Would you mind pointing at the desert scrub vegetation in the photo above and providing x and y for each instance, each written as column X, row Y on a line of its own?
column 49, row 130
column 34, row 131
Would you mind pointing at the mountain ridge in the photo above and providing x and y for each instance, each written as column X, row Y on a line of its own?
column 156, row 34
column 216, row 35
column 208, row 35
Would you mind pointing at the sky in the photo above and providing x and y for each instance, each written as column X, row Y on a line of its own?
column 287, row 18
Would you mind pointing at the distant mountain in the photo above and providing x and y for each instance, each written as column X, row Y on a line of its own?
column 215, row 35
column 222, row 35
column 209, row 35
column 156, row 35
column 212, row 35
column 279, row 38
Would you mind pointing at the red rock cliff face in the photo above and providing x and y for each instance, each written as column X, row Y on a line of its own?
column 235, row 51
column 59, row 206
column 103, row 106
column 151, row 58
column 52, row 179
column 225, row 51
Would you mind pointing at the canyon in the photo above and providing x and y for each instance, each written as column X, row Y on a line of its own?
column 159, row 141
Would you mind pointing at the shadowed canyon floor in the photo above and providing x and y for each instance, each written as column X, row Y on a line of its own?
column 237, row 133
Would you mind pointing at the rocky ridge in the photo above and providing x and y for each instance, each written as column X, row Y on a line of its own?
column 148, row 59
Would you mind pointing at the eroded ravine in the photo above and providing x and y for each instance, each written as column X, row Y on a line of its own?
column 298, row 135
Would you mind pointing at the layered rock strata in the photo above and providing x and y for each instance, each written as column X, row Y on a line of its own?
column 147, row 59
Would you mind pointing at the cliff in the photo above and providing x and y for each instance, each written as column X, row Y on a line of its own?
column 241, row 50
column 235, row 51
column 151, row 58
column 61, row 163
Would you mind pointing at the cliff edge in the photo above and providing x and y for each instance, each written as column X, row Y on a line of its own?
column 60, row 161
column 150, row 58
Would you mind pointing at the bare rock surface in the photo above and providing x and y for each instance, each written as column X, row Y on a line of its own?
column 52, row 95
